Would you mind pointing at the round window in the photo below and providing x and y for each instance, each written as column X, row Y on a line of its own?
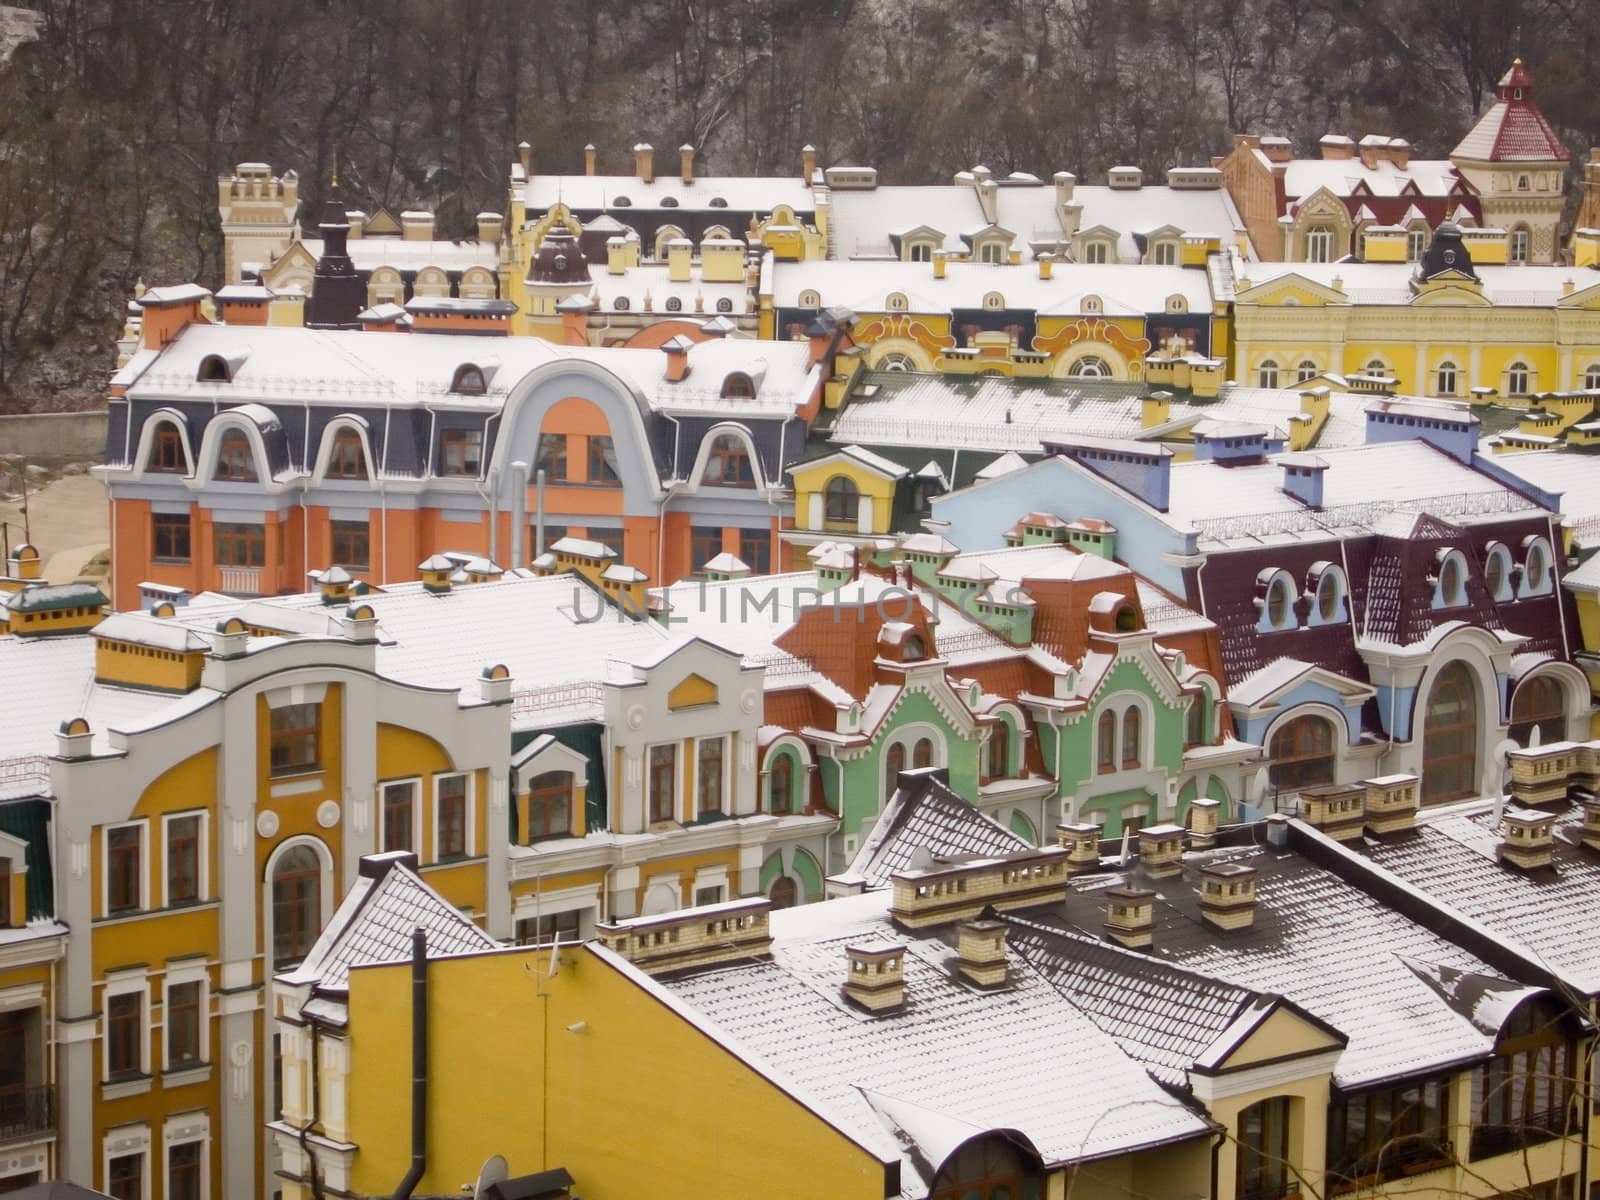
column 1328, row 597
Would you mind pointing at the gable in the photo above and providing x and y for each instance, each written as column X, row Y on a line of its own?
column 1290, row 289
column 692, row 691
column 1257, row 1039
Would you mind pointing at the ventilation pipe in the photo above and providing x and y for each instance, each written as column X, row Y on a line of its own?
column 519, row 510
column 419, row 1066
column 538, row 512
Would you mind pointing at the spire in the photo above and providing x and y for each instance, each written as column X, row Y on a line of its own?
column 337, row 292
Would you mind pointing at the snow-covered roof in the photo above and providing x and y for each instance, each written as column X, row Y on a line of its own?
column 407, row 254
column 741, row 193
column 1572, row 475
column 1430, row 176
column 1525, row 285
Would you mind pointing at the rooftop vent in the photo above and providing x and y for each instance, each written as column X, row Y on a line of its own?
column 436, row 570
column 1131, row 916
column 1228, row 895
column 1082, row 844
column 1391, row 804
column 1526, row 841
column 877, row 978
column 1125, row 178
column 1338, row 809
column 333, row 584
column 941, row 894
column 1203, row 823
column 1161, row 850
column 693, row 937
column 981, row 953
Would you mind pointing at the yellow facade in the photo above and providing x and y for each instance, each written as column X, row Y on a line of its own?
column 874, row 487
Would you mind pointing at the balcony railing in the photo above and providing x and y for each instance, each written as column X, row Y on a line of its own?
column 1489, row 1140
column 1413, row 1155
column 241, row 581
column 26, row 1112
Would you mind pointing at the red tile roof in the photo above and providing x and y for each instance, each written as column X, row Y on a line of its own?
column 1513, row 129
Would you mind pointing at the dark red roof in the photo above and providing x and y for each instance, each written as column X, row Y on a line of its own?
column 1513, row 129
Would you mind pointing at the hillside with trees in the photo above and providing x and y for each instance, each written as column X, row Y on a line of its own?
column 116, row 116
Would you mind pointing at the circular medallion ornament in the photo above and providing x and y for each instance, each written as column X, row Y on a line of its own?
column 747, row 701
column 636, row 717
column 266, row 823
column 328, row 814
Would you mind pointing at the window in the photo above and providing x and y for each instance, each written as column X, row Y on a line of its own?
column 166, row 450
column 711, row 894
column 352, row 544
column 1523, row 1095
column 738, row 386
column 1194, row 721
column 1330, row 596
column 1536, row 568
column 913, row 649
column 1591, row 378
column 1378, row 367
column 842, row 501
column 1164, row 254
column 399, row 816
column 1302, row 754
column 705, row 543
column 603, row 460
column 708, row 776
column 728, row 463
column 469, row 381
column 894, row 761
column 1445, row 379
column 296, row 903
column 1452, row 582
column 922, row 753
column 550, row 805
column 994, row 302
column 987, row 1168
column 347, row 459
column 1131, row 746
column 236, row 460
column 124, row 868
column 124, row 1035
column 902, row 362
column 1450, row 737
column 566, row 927
column 5, row 904
column 1390, row 1132
column 551, row 457
column 240, row 545
column 1520, row 239
column 724, row 305
column 1518, row 379
column 991, row 252
column 450, row 792
column 674, row 304
column 999, row 750
column 295, row 733
column 1306, row 371
column 1264, row 1150
column 1416, row 244
column 920, row 252
column 755, row 550
column 663, row 783
column 461, row 452
column 1319, row 244
column 1497, row 571
column 780, row 784
column 170, row 536
column 1267, row 374
column 1090, row 367
column 896, row 302
column 1279, row 610
column 125, row 1177
column 183, row 859
column 1105, row 743
column 1540, row 703
column 183, row 1171
column 183, row 1024
column 784, row 893
column 1094, row 252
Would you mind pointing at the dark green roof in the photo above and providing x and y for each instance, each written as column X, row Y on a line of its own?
column 30, row 821
column 53, row 597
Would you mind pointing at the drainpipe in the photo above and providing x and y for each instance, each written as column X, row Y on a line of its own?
column 419, row 1066
column 519, row 509
column 538, row 511
column 316, row 1113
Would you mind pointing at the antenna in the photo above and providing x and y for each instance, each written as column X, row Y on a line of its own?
column 495, row 1170
column 334, row 181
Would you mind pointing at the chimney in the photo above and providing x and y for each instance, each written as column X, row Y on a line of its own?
column 1131, row 916
column 1337, row 146
column 1228, row 895
column 244, row 304
column 167, row 311
column 989, row 199
column 941, row 894
column 1337, row 809
column 490, row 226
column 416, row 225
column 1277, row 831
column 228, row 639
column 1203, row 823
column 494, row 684
column 1126, row 179
column 525, row 156
column 808, row 164
column 1277, row 149
column 644, row 162
column 1046, row 263
column 436, row 571
column 1586, row 767
column 1161, row 850
column 1400, row 152
column 1082, row 844
column 680, row 258
column 1065, row 182
column 589, row 159
column 981, row 953
column 1540, row 774
column 333, row 584
column 1373, row 149
column 1155, row 409
column 938, row 264
column 1591, row 824
column 74, row 739
column 1526, row 842
column 677, row 351
column 1303, row 477
column 1391, row 804
column 686, row 162
column 358, row 222
column 877, row 976
column 733, row 931
column 360, row 623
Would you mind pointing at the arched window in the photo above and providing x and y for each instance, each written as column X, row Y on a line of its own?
column 1090, row 304
column 810, row 299
column 1302, row 754
column 1090, row 367
column 728, row 463
column 994, row 302
column 1452, row 581
column 1497, row 572
column 842, row 501
column 1377, row 366
column 1105, row 743
column 1263, row 1158
column 896, row 302
column 784, row 893
column 1540, row 703
column 913, row 649
column 999, row 750
column 166, row 450
column 214, row 369
column 1319, row 244
column 1444, row 381
column 1450, row 737
column 550, row 805
column 1194, row 720
column 987, row 1168
column 1536, row 567
column 1306, row 371
column 1277, row 611
column 296, row 904
column 469, row 381
column 780, row 784
column 1267, row 374
column 922, row 756
column 894, row 761
column 738, row 386
column 236, row 459
column 1518, row 379
column 347, row 458
column 896, row 362
column 1132, row 748
column 1520, row 241
column 1330, row 596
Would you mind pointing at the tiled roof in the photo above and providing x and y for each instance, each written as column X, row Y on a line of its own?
column 1512, row 129
column 923, row 821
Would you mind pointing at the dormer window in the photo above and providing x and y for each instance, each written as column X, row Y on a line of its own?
column 1091, row 304
column 166, row 450
column 1165, row 254
column 1329, row 590
column 842, row 501
column 620, row 304
column 674, row 304
column 1416, row 244
column 994, row 302
column 991, row 252
column 810, row 299
column 896, row 302
column 1319, row 244
column 738, row 386
column 1535, row 567
column 1452, row 586
column 1274, row 601
column 919, row 252
column 913, row 649
column 1497, row 571
column 236, row 458
column 1177, row 304
column 728, row 463
column 1096, row 252
column 469, row 381
column 214, row 369
column 347, row 458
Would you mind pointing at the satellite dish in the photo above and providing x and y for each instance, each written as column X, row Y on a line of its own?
column 1261, row 786
column 1500, row 757
column 495, row 1170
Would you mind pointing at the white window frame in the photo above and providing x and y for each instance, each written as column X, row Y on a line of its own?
column 1540, row 546
column 1267, row 367
column 992, row 252
column 186, row 1129
column 1508, row 590
column 125, row 983
column 203, row 866
column 1164, row 253
column 177, row 976
column 1440, row 600
column 1589, row 380
column 415, row 782
column 1341, row 585
column 1280, row 579
column 1438, row 378
column 896, row 302
column 122, row 1141
column 1526, row 371
column 143, row 824
column 1096, row 251
column 1305, row 371
column 472, row 810
column 993, row 302
column 1416, row 244
column 706, row 877
column 1319, row 244
column 1521, row 245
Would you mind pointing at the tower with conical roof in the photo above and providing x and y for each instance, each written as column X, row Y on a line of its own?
column 337, row 293
column 1518, row 165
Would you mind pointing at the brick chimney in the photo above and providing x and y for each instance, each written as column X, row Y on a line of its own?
column 589, row 153
column 1391, row 804
column 244, row 304
column 732, row 931
column 1228, row 895
column 677, row 351
column 1161, row 850
column 1337, row 146
column 1591, row 824
column 1082, row 844
column 686, row 162
column 1526, row 841
column 644, row 162
column 1130, row 916
column 876, row 979
column 808, row 163
column 168, row 310
column 1338, row 809
column 1203, row 823
column 1277, row 149
column 1539, row 774
column 981, row 953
